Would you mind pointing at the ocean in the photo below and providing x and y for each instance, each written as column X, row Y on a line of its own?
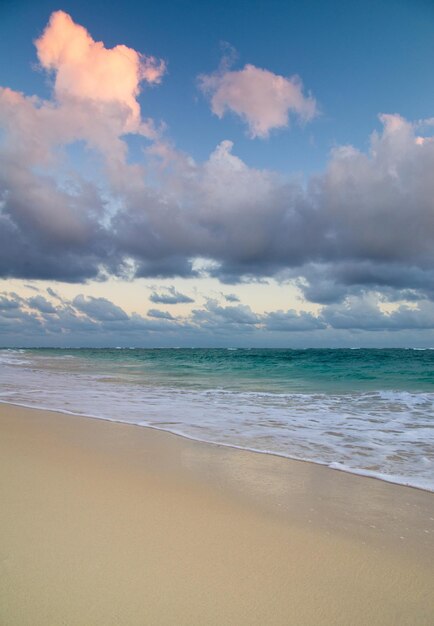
column 366, row 411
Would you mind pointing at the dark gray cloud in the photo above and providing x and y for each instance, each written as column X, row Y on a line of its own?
column 46, row 233
column 166, row 267
column 169, row 296
column 333, row 282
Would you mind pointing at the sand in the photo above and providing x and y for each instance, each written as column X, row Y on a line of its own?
column 111, row 524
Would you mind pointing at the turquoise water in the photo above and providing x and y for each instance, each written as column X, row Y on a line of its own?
column 280, row 371
column 366, row 411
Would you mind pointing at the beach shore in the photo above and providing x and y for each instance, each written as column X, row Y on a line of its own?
column 111, row 524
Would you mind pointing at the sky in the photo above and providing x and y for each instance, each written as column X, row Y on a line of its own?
column 217, row 174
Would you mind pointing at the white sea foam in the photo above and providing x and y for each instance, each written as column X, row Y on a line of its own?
column 13, row 357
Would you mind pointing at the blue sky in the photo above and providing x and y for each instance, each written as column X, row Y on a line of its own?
column 325, row 228
column 358, row 58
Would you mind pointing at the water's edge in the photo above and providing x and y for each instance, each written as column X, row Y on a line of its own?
column 332, row 466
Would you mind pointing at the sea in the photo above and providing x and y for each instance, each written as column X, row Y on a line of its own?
column 365, row 411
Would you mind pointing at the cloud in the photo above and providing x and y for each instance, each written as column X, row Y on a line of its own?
column 262, row 99
column 332, row 282
column 213, row 316
column 86, row 70
column 41, row 304
column 162, row 315
column 170, row 296
column 8, row 304
column 53, row 293
column 99, row 309
column 292, row 321
column 231, row 297
column 364, row 314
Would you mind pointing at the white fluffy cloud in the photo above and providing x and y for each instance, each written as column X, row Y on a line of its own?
column 262, row 99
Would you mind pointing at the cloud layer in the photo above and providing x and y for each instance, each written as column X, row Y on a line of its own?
column 365, row 224
column 41, row 320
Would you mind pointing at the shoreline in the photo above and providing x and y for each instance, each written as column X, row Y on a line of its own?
column 104, row 524
column 335, row 466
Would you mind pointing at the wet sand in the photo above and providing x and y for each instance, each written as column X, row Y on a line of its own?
column 112, row 524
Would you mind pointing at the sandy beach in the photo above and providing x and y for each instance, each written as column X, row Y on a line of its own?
column 104, row 523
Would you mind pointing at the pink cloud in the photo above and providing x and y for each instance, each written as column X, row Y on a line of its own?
column 86, row 70
column 262, row 99
column 94, row 100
